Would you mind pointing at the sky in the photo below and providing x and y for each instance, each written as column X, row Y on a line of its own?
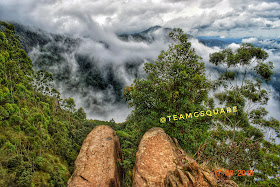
column 227, row 18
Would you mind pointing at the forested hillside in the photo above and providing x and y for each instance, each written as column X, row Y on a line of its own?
column 40, row 134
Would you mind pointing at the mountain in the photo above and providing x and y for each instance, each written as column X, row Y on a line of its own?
column 41, row 133
column 95, row 72
column 146, row 35
column 222, row 42
column 93, row 76
column 75, row 72
column 213, row 42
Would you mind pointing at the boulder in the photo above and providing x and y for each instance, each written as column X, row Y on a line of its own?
column 160, row 162
column 155, row 157
column 96, row 164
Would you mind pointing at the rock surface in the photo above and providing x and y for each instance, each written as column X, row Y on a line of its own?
column 96, row 164
column 160, row 162
column 155, row 157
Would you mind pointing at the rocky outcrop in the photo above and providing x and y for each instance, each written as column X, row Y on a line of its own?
column 160, row 161
column 155, row 157
column 96, row 164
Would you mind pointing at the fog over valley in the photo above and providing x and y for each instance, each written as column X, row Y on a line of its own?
column 130, row 86
column 94, row 72
column 95, row 49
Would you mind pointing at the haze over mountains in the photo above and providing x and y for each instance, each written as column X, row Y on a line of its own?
column 94, row 72
column 94, row 49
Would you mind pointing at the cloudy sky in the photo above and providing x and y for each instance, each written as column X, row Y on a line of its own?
column 229, row 18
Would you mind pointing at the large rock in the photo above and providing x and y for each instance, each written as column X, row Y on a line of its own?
column 155, row 157
column 160, row 162
column 96, row 164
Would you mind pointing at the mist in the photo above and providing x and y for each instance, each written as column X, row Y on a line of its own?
column 94, row 69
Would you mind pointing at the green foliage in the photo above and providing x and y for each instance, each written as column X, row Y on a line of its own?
column 237, row 141
column 69, row 104
column 39, row 137
column 175, row 85
column 81, row 114
column 41, row 134
column 170, row 86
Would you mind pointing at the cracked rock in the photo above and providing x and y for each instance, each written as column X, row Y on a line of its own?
column 155, row 157
column 96, row 164
column 161, row 162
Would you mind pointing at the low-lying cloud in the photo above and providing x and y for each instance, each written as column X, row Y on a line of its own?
column 94, row 67
column 94, row 72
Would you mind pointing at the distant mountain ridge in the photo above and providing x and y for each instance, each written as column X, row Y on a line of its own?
column 145, row 35
column 222, row 42
column 98, row 84
column 102, row 85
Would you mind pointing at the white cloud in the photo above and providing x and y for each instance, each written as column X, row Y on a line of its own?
column 111, row 55
column 264, row 6
column 233, row 46
column 249, row 40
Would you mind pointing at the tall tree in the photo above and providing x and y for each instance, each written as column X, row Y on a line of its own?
column 175, row 85
column 238, row 141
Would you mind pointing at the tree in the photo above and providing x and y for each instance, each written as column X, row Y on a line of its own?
column 239, row 88
column 81, row 114
column 43, row 83
column 69, row 105
column 242, row 74
column 38, row 144
column 175, row 85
